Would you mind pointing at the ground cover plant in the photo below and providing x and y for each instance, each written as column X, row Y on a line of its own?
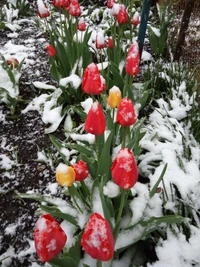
column 119, row 164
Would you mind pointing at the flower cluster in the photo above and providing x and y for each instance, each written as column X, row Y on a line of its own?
column 110, row 119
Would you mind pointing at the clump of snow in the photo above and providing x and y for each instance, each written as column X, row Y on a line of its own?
column 63, row 168
column 111, row 189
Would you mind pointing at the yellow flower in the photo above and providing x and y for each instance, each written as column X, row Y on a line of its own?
column 65, row 175
column 114, row 97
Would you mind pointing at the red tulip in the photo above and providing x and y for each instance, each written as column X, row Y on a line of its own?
column 122, row 16
column 61, row 3
column 110, row 3
column 81, row 170
column 82, row 25
column 13, row 63
column 110, row 42
column 95, row 122
column 135, row 19
column 43, row 12
column 49, row 238
column 97, row 239
column 51, row 50
column 92, row 82
column 74, row 8
column 124, row 169
column 100, row 41
column 58, row 3
column 126, row 114
column 133, row 60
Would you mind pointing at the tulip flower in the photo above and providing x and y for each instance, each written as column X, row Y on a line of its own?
column 135, row 19
column 122, row 16
column 97, row 239
column 13, row 63
column 126, row 113
column 110, row 42
column 74, row 8
column 114, row 97
column 95, row 122
column 58, row 3
column 51, row 50
column 65, row 175
column 100, row 41
column 124, row 169
column 81, row 170
column 92, row 82
column 110, row 3
column 49, row 238
column 133, row 60
column 82, row 25
column 43, row 12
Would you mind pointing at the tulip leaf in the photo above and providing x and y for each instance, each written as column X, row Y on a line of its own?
column 153, row 190
column 54, row 211
column 75, row 250
column 143, row 228
column 107, row 210
column 63, row 262
column 58, row 145
column 105, row 158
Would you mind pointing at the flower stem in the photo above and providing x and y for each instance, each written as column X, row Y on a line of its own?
column 124, row 138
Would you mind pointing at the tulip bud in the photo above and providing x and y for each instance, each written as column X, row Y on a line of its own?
column 82, row 25
column 100, row 41
column 133, row 60
column 122, row 16
column 43, row 12
column 74, row 8
column 49, row 238
column 135, row 19
column 81, row 170
column 92, row 81
column 114, row 97
column 124, row 169
column 51, row 50
column 95, row 122
column 110, row 42
column 65, row 175
column 97, row 239
column 13, row 63
column 126, row 113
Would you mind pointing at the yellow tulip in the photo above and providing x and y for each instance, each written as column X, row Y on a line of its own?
column 114, row 97
column 65, row 175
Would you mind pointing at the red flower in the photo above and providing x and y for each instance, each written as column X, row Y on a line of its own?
column 135, row 19
column 122, row 16
column 51, row 50
column 82, row 25
column 126, row 114
column 110, row 3
column 81, row 170
column 124, row 169
column 74, row 8
column 95, row 122
column 100, row 41
column 110, row 42
column 97, row 239
column 13, row 63
column 133, row 60
column 49, row 238
column 43, row 12
column 92, row 82
column 58, row 3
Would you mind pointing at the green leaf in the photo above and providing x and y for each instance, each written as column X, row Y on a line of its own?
column 58, row 145
column 54, row 211
column 63, row 262
column 153, row 190
column 75, row 250
column 145, row 227
column 105, row 158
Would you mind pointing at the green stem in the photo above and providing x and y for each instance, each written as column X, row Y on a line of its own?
column 121, row 207
column 124, row 137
